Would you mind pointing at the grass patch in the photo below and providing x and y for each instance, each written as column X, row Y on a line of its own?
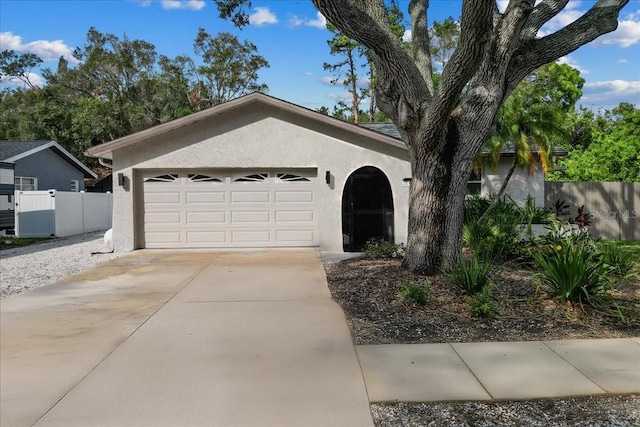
column 7, row 242
column 631, row 247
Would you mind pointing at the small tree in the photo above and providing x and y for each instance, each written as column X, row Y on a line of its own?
column 230, row 67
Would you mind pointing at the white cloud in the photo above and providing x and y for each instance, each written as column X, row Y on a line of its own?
column 320, row 22
column 573, row 63
column 609, row 94
column 328, row 80
column 362, row 83
column 141, row 3
column 35, row 79
column 262, row 16
column 45, row 49
column 627, row 34
column 308, row 73
column 623, row 61
column 183, row 4
column 295, row 21
column 407, row 36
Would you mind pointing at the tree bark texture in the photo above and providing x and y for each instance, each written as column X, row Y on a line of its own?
column 445, row 127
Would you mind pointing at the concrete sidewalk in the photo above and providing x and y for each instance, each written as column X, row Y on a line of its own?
column 500, row 370
column 167, row 338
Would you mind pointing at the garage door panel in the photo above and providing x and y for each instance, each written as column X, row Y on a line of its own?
column 294, row 216
column 206, row 237
column 250, row 197
column 155, row 239
column 206, row 218
column 162, row 197
column 250, row 236
column 230, row 209
column 206, row 197
column 294, row 196
column 295, row 236
column 250, row 217
column 162, row 217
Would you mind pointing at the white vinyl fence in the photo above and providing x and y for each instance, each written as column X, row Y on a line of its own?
column 58, row 213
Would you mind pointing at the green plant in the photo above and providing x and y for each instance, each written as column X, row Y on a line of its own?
column 379, row 248
column 574, row 272
column 561, row 234
column 415, row 291
column 613, row 254
column 483, row 304
column 496, row 235
column 535, row 215
column 470, row 275
column 474, row 207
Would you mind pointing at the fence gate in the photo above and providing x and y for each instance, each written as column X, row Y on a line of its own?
column 35, row 213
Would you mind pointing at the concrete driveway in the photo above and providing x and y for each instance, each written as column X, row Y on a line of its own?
column 246, row 338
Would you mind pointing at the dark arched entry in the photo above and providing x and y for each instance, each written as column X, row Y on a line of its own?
column 367, row 208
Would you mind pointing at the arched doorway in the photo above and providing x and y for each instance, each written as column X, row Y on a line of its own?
column 367, row 208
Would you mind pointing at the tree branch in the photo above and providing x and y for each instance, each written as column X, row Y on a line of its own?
column 601, row 19
column 399, row 79
column 542, row 13
column 476, row 24
column 420, row 43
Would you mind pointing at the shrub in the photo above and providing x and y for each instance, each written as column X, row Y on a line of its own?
column 483, row 304
column 612, row 254
column 414, row 291
column 470, row 275
column 496, row 235
column 378, row 248
column 535, row 215
column 474, row 207
column 573, row 271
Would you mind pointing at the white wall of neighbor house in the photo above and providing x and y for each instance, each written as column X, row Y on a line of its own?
column 260, row 140
column 521, row 185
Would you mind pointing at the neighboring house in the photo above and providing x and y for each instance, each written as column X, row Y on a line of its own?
column 102, row 185
column 44, row 165
column 7, row 204
column 257, row 172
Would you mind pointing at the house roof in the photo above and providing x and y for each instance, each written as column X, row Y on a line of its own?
column 12, row 151
column 106, row 150
column 508, row 149
column 383, row 132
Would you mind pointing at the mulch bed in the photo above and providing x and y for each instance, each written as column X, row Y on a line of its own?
column 368, row 291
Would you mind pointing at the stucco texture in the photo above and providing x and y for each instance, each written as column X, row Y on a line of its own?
column 260, row 136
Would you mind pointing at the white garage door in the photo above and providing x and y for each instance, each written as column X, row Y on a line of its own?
column 198, row 209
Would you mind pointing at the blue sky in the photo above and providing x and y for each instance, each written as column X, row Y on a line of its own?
column 291, row 35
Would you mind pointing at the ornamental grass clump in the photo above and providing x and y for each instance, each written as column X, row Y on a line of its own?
column 622, row 263
column 574, row 272
column 471, row 275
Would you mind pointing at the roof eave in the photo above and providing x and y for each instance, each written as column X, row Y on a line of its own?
column 105, row 151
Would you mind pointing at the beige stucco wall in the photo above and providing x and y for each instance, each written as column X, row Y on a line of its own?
column 521, row 184
column 260, row 138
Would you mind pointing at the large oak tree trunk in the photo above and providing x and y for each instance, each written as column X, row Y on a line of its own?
column 438, row 189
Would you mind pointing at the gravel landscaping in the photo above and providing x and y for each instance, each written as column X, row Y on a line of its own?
column 39, row 264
